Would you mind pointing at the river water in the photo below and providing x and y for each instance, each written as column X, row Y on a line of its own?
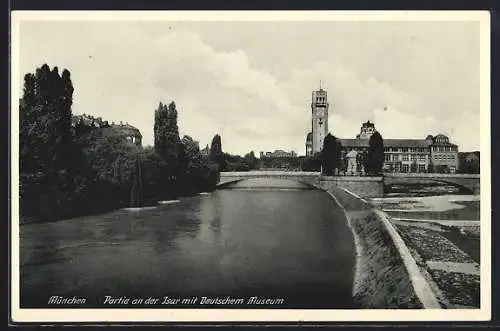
column 270, row 239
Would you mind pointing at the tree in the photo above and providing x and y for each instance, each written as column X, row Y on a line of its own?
column 375, row 156
column 46, row 143
column 199, row 174
column 114, row 164
column 136, row 193
column 45, row 121
column 191, row 147
column 251, row 160
column 430, row 167
column 312, row 163
column 152, row 166
column 343, row 161
column 169, row 146
column 362, row 161
column 441, row 169
column 216, row 155
column 469, row 162
column 330, row 155
column 414, row 166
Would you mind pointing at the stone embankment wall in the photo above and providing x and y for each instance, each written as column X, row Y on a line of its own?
column 384, row 277
column 366, row 187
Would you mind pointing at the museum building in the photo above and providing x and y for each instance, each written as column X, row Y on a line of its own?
column 432, row 154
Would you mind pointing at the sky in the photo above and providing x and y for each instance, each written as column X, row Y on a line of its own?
column 251, row 82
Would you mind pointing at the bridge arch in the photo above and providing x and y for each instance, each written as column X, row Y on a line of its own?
column 311, row 179
column 228, row 182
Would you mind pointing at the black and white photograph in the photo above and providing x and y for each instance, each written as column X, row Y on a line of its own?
column 250, row 166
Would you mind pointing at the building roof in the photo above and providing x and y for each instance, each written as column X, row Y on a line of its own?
column 354, row 142
column 443, row 144
column 367, row 124
column 387, row 143
column 128, row 130
column 406, row 143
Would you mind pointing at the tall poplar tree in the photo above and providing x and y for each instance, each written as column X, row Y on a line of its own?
column 375, row 156
column 46, row 140
column 168, row 145
column 330, row 155
column 216, row 155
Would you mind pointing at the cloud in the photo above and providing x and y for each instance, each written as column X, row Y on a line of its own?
column 121, row 72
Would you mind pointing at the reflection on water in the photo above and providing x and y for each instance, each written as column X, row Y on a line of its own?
column 292, row 244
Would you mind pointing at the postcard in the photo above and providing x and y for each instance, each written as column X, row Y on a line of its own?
column 245, row 166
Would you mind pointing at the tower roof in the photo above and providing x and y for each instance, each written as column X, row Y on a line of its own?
column 368, row 124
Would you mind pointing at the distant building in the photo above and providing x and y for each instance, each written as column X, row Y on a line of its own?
column 278, row 153
column 130, row 133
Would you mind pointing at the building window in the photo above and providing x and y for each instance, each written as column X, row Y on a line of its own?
column 404, row 168
column 405, row 157
column 387, row 157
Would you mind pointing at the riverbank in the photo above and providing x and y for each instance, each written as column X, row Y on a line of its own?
column 381, row 278
column 24, row 220
column 442, row 234
column 455, row 273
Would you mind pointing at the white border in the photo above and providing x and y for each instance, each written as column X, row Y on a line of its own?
column 261, row 315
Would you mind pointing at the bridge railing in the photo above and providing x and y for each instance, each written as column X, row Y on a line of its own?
column 268, row 173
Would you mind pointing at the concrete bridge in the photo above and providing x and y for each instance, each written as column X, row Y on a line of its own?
column 364, row 186
column 304, row 177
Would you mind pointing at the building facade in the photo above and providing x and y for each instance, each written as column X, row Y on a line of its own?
column 319, row 122
column 432, row 154
column 443, row 153
column 278, row 153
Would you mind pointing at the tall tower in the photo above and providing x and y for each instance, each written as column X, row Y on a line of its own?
column 319, row 107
